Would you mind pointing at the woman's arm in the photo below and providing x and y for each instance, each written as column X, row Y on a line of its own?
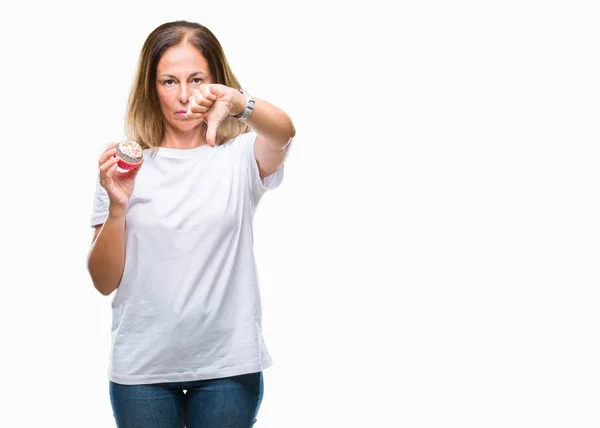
column 268, row 121
column 275, row 132
column 106, row 259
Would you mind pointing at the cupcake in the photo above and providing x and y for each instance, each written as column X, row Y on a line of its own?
column 129, row 154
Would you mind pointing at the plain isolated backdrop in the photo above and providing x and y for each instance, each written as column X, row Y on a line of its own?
column 431, row 257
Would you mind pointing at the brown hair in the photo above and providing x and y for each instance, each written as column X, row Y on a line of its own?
column 144, row 120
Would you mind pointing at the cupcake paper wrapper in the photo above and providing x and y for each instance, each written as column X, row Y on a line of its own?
column 126, row 165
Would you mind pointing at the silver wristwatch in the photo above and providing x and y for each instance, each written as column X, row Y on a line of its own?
column 249, row 106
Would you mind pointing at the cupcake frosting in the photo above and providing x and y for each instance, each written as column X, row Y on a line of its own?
column 131, row 149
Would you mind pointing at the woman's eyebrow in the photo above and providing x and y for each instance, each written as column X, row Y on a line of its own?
column 196, row 73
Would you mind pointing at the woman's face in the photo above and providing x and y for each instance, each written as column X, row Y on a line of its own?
column 180, row 71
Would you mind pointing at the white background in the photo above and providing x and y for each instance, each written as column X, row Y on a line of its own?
column 431, row 258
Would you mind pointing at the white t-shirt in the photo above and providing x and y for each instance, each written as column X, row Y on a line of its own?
column 188, row 306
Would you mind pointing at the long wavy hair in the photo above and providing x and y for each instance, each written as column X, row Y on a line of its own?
column 144, row 121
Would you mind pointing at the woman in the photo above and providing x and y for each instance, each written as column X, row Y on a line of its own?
column 174, row 238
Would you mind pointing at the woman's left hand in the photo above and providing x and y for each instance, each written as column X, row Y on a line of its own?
column 212, row 103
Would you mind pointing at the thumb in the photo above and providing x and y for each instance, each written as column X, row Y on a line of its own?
column 211, row 132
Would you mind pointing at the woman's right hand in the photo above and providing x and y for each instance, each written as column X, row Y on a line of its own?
column 118, row 185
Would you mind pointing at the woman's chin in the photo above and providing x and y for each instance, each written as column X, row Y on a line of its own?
column 186, row 125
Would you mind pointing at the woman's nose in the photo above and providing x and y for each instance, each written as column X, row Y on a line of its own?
column 184, row 95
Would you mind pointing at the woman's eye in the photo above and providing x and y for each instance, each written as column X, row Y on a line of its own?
column 169, row 82
column 196, row 80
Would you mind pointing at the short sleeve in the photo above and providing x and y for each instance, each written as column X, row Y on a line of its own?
column 100, row 207
column 259, row 187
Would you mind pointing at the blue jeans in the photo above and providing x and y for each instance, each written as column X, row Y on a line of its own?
column 230, row 402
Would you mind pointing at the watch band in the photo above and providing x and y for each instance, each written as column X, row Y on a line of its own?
column 249, row 106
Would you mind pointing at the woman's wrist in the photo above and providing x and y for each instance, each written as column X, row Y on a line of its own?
column 238, row 103
column 116, row 211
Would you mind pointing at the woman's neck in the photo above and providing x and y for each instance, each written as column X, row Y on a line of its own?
column 176, row 139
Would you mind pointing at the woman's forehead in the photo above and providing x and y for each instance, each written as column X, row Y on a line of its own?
column 183, row 57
